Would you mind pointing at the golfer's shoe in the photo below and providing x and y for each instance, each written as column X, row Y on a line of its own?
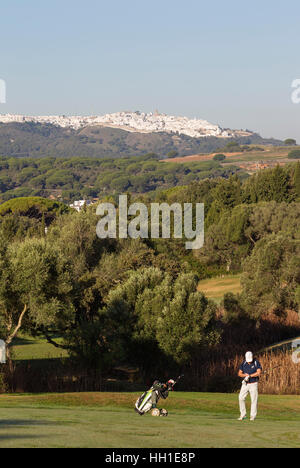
column 242, row 418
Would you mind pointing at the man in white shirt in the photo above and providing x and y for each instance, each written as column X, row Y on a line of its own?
column 250, row 371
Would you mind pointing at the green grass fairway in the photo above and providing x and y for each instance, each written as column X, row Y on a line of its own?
column 196, row 420
column 215, row 288
column 28, row 348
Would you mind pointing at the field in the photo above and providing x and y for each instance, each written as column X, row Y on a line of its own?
column 251, row 161
column 266, row 152
column 215, row 288
column 196, row 420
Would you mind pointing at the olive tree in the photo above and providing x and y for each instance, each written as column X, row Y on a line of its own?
column 164, row 316
column 35, row 285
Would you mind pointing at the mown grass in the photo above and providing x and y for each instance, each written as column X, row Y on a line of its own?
column 108, row 420
column 215, row 288
column 28, row 348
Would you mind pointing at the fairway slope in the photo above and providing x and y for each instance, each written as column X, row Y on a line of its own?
column 108, row 420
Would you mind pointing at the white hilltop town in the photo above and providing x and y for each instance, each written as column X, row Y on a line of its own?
column 133, row 122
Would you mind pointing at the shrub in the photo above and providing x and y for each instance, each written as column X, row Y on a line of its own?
column 290, row 142
column 219, row 157
column 294, row 154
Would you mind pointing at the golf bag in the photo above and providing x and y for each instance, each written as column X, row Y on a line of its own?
column 149, row 399
column 144, row 403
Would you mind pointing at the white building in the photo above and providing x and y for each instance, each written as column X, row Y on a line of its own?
column 79, row 204
column 133, row 122
column 2, row 352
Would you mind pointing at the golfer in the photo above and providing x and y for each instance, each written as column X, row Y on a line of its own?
column 250, row 371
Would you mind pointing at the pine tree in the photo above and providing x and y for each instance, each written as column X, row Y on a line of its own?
column 296, row 181
column 279, row 184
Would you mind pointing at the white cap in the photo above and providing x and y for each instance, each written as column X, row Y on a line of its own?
column 249, row 356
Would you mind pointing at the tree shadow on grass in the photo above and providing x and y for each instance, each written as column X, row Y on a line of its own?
column 19, row 341
column 19, row 437
column 24, row 422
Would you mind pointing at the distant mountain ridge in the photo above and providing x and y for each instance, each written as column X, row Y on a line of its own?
column 115, row 135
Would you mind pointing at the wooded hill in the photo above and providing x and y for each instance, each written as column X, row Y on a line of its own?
column 78, row 178
column 46, row 140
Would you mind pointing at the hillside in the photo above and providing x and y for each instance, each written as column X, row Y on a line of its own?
column 251, row 160
column 67, row 179
column 70, row 178
column 34, row 139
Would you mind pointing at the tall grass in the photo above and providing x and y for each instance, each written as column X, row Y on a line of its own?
column 213, row 370
column 284, row 379
column 280, row 376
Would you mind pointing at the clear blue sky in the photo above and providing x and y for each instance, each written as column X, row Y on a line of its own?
column 229, row 62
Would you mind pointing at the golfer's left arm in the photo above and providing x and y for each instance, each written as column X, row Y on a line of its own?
column 256, row 374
